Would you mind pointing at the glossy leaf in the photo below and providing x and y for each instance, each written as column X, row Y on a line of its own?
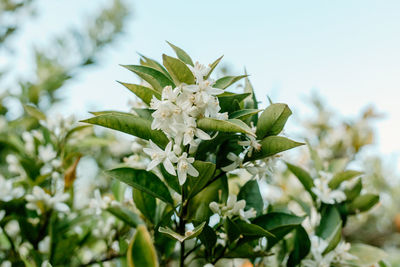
column 363, row 203
column 226, row 99
column 196, row 184
column 213, row 66
column 181, row 54
column 243, row 114
column 255, row 230
column 329, row 226
column 302, row 245
column 279, row 224
column 272, row 120
column 141, row 251
column 353, row 192
column 304, row 178
column 178, row 70
column 144, row 181
column 152, row 76
column 198, row 206
column 343, row 176
column 148, row 62
column 145, row 202
column 228, row 126
column 227, row 81
column 251, row 193
column 130, row 124
column 272, row 145
column 143, row 92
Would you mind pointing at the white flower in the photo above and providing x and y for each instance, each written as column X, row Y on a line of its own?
column 29, row 142
column 250, row 144
column 208, row 265
column 199, row 71
column 47, row 153
column 185, row 167
column 237, row 162
column 259, row 169
column 134, row 162
column 170, row 94
column 342, row 254
column 233, row 208
column 324, row 193
column 44, row 245
column 158, row 156
column 13, row 165
column 99, row 203
column 40, row 201
column 8, row 191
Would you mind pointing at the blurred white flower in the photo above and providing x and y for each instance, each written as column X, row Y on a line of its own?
column 250, row 144
column 237, row 162
column 99, row 203
column 8, row 191
column 324, row 193
column 12, row 228
column 46, row 153
column 40, row 201
column 14, row 166
column 44, row 245
column 29, row 142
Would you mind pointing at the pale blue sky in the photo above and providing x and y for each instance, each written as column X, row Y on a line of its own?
column 348, row 51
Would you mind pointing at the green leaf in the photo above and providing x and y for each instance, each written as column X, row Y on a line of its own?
column 363, row 203
column 143, row 92
column 154, row 77
column 181, row 54
column 304, row 178
column 178, row 70
column 130, row 124
column 343, row 176
column 170, row 179
column 125, row 215
column 366, row 255
column 188, row 235
column 251, row 193
column 302, row 245
column 330, row 225
column 141, row 251
column 144, row 113
column 279, row 224
column 227, row 81
column 254, row 230
column 226, row 99
column 145, row 203
column 228, row 126
column 243, row 114
column 353, row 192
column 198, row 206
column 144, row 181
column 251, row 102
column 196, row 184
column 110, row 112
column 272, row 120
column 208, row 237
column 272, row 145
column 212, row 66
column 154, row 64
column 34, row 112
column 231, row 229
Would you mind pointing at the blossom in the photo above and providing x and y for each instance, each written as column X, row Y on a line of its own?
column 47, row 153
column 40, row 201
column 160, row 156
column 324, row 193
column 185, row 167
column 237, row 161
column 233, row 208
column 199, row 71
column 8, row 191
column 250, row 144
column 99, row 203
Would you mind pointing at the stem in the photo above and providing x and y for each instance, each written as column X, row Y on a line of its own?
column 182, row 228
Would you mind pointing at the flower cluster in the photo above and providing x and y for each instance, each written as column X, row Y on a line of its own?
column 337, row 257
column 324, row 193
column 176, row 115
column 233, row 208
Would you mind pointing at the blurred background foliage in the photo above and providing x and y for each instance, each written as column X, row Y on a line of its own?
column 335, row 140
